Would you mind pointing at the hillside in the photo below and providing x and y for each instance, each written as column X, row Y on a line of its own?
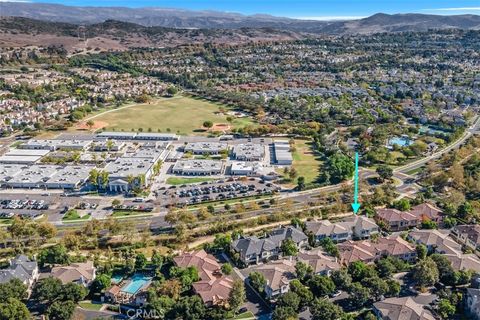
column 176, row 18
column 117, row 35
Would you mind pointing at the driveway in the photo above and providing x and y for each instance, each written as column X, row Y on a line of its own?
column 254, row 303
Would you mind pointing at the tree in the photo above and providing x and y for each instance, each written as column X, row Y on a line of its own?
column 290, row 300
column 305, row 295
column 227, row 268
column 385, row 268
column 321, row 285
column 446, row 309
column 384, row 172
column 421, row 251
column 292, row 174
column 172, row 90
column 339, row 167
column 425, row 273
column 187, row 276
column 13, row 289
column 284, row 313
column 90, row 123
column 341, row 278
column 376, row 286
column 46, row 230
column 48, row 289
column 429, row 224
column 329, row 246
column 61, row 310
column 93, row 177
column 301, row 183
column 257, row 281
column 207, row 124
column 189, row 308
column 237, row 295
column 445, row 270
column 393, row 288
column 73, row 292
column 53, row 255
column 402, row 204
column 171, row 288
column 359, row 295
column 101, row 282
column 322, row 309
column 13, row 309
column 289, row 247
column 157, row 259
column 140, row 261
column 359, row 270
column 303, row 270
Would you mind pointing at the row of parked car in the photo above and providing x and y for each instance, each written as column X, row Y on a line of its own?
column 86, row 205
column 24, row 204
column 223, row 188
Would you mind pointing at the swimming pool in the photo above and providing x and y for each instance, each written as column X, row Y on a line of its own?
column 116, row 279
column 137, row 282
column 400, row 141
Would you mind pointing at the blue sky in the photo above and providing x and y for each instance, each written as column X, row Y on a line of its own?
column 318, row 9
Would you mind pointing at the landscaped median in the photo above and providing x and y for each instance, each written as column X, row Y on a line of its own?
column 73, row 215
column 177, row 181
column 130, row 213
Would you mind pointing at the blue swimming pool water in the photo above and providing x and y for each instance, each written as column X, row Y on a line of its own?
column 401, row 141
column 116, row 279
column 137, row 282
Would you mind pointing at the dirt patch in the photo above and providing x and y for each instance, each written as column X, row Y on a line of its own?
column 96, row 126
column 220, row 127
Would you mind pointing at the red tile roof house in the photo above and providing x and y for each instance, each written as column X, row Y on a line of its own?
column 369, row 251
column 426, row 211
column 214, row 287
column 396, row 220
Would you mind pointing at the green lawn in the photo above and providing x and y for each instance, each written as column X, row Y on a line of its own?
column 73, row 215
column 127, row 213
column 90, row 306
column 180, row 114
column 176, row 181
column 245, row 316
column 5, row 221
column 305, row 161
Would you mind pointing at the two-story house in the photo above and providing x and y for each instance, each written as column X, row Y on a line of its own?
column 253, row 250
column 468, row 235
column 278, row 275
column 357, row 227
column 396, row 220
column 22, row 268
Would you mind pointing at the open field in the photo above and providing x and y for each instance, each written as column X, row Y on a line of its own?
column 183, row 115
column 305, row 162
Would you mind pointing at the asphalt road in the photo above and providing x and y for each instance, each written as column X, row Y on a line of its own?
column 419, row 163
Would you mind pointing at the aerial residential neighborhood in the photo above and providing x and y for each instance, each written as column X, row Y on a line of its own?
column 206, row 160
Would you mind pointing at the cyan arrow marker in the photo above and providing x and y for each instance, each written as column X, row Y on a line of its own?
column 355, row 204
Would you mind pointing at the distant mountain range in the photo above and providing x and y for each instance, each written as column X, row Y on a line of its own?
column 186, row 19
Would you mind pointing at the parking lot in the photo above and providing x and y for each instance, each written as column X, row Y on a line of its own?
column 215, row 191
column 37, row 205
